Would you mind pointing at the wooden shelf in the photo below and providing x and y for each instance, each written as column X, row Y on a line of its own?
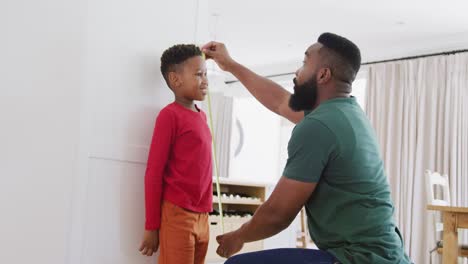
column 229, row 186
column 237, row 201
column 227, row 181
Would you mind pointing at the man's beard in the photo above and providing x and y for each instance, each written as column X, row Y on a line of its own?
column 304, row 96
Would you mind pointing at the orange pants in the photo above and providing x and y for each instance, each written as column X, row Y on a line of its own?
column 183, row 235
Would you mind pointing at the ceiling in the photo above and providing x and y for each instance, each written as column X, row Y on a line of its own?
column 265, row 33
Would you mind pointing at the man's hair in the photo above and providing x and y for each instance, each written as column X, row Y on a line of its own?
column 176, row 55
column 341, row 55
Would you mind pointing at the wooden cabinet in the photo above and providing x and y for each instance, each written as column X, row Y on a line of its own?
column 239, row 200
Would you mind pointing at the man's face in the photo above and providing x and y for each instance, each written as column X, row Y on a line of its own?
column 305, row 84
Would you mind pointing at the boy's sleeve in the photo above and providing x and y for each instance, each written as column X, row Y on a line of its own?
column 310, row 148
column 163, row 137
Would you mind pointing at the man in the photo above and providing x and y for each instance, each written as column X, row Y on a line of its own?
column 334, row 168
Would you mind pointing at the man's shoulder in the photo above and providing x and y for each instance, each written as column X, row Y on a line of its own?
column 335, row 119
column 326, row 113
column 312, row 128
column 320, row 118
column 310, row 122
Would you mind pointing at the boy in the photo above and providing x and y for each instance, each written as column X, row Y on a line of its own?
column 178, row 179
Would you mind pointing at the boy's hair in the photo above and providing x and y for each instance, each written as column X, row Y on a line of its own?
column 176, row 55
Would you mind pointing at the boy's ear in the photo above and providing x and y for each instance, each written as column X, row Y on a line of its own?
column 174, row 79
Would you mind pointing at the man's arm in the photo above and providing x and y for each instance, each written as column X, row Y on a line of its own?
column 277, row 213
column 270, row 94
column 273, row 216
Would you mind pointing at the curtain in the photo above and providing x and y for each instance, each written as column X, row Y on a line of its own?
column 221, row 112
column 419, row 111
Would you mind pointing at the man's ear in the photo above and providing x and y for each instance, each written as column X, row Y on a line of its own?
column 174, row 79
column 324, row 75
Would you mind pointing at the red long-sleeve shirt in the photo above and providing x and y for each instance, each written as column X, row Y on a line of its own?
column 179, row 167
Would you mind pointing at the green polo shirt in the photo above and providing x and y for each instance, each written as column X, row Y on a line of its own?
column 350, row 213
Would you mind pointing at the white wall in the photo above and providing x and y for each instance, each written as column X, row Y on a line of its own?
column 80, row 89
column 124, row 93
column 41, row 50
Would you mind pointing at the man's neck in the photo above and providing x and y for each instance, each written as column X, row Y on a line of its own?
column 331, row 96
column 339, row 90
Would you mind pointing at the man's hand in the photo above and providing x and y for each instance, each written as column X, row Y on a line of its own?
column 150, row 243
column 229, row 244
column 218, row 52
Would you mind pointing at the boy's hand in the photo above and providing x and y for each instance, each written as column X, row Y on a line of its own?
column 218, row 52
column 150, row 242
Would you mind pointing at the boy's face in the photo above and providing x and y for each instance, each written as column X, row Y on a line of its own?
column 192, row 82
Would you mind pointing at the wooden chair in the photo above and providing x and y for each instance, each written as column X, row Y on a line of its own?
column 434, row 179
column 301, row 241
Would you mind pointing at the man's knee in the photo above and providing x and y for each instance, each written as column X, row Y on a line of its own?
column 237, row 259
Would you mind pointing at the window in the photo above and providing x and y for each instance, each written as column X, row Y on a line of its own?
column 359, row 91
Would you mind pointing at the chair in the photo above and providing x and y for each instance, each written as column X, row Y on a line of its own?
column 302, row 234
column 434, row 179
